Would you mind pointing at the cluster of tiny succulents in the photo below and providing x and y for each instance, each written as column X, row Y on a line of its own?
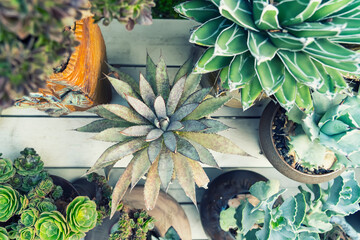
column 283, row 48
column 332, row 129
column 165, row 128
column 32, row 36
column 303, row 216
column 130, row 12
column 29, row 199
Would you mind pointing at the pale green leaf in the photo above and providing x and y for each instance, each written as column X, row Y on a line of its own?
column 265, row 15
column 146, row 91
column 264, row 190
column 154, row 149
column 152, row 186
column 111, row 135
column 198, row 10
column 327, row 8
column 260, row 47
column 185, row 148
column 207, row 107
column 170, row 141
column 122, row 88
column 141, row 108
column 103, row 124
column 166, row 167
column 162, row 80
column 175, row 95
column 210, row 62
column 231, row 41
column 206, row 156
column 124, row 112
column 250, row 92
column 151, row 73
column 241, row 70
column 140, row 167
column 137, row 131
column 295, row 12
column 238, row 12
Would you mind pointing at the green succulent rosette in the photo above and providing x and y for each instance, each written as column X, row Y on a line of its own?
column 46, row 205
column 29, row 216
column 10, row 202
column 7, row 170
column 26, row 233
column 4, row 234
column 44, row 187
column 57, row 193
column 283, row 48
column 81, row 214
column 76, row 236
column 30, row 182
column 51, row 226
column 29, row 163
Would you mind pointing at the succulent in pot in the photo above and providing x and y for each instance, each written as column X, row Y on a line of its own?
column 164, row 128
column 283, row 48
column 306, row 215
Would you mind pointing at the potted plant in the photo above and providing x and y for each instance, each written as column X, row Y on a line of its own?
column 35, row 205
column 307, row 215
column 282, row 48
column 164, row 128
column 316, row 147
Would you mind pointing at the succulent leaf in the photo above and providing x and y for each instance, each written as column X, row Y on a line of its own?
column 141, row 166
column 81, row 214
column 295, row 12
column 193, row 126
column 271, row 75
column 137, row 131
column 152, row 186
column 207, row 107
column 112, row 135
column 146, row 91
column 103, row 124
column 250, row 92
column 162, row 80
column 213, row 126
column 7, row 170
column 125, row 113
column 198, row 10
column 166, row 167
column 154, row 149
column 175, row 95
column 185, row 148
column 170, row 141
column 197, row 96
column 51, row 226
column 200, row 177
column 122, row 88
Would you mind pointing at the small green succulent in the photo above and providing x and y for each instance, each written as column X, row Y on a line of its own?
column 130, row 12
column 4, row 234
column 57, row 192
column 7, row 170
column 303, row 216
column 46, row 205
column 11, row 202
column 51, row 226
column 81, row 214
column 30, row 182
column 29, row 216
column 76, row 236
column 26, row 233
column 29, row 163
column 333, row 126
column 285, row 48
column 165, row 128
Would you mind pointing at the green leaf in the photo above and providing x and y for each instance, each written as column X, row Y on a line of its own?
column 137, row 131
column 239, row 71
column 125, row 78
column 184, row 70
column 271, row 75
column 265, row 15
column 111, row 135
column 154, row 149
column 315, row 29
column 320, row 221
column 102, row 112
column 238, row 12
column 175, row 95
column 246, row 218
column 140, row 167
column 328, row 8
column 154, row 134
column 207, row 33
column 334, row 127
column 210, row 62
column 198, row 96
column 185, row 148
column 200, row 177
column 122, row 88
column 125, row 113
column 231, row 41
column 183, row 111
column 264, row 190
column 162, row 80
column 303, row 98
column 152, row 186
column 207, row 107
column 214, row 126
column 170, row 141
column 151, row 73
column 160, row 108
column 184, row 175
column 287, row 41
column 103, row 124
column 166, row 167
column 287, row 92
column 206, row 156
column 227, row 219
column 175, row 126
column 146, row 91
column 300, row 209
column 141, row 108
column 193, row 126
column 250, row 92
column 260, row 47
column 198, row 10
column 295, row 12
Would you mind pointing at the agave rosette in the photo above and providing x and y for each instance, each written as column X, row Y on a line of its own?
column 284, row 48
column 164, row 128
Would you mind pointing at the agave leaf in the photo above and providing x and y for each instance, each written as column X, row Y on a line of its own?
column 205, row 155
column 271, row 75
column 154, row 149
column 125, row 78
column 315, row 29
column 224, row 78
column 303, row 98
column 231, row 41
column 124, row 112
column 207, row 107
column 160, row 107
column 162, row 80
column 210, row 62
column 102, row 112
column 260, row 47
column 183, row 111
column 122, row 88
column 175, row 95
column 146, row 91
column 151, row 73
column 295, row 12
column 206, row 34
column 198, row 96
column 107, row 171
column 121, row 187
column 265, row 15
column 185, row 148
column 137, row 131
column 352, row 25
column 238, row 12
column 351, row 39
column 349, row 10
column 287, row 93
column 193, row 126
column 154, row 134
column 141, row 108
column 170, row 141
column 214, row 126
column 287, row 41
column 239, row 71
column 166, row 167
column 214, row 142
column 111, row 135
column 250, row 92
column 328, row 8
column 199, row 175
column 198, row 10
column 103, row 124
column 328, row 86
column 140, row 167
column 184, row 175
column 152, row 186
column 175, row 126
column 191, row 84
column 216, row 2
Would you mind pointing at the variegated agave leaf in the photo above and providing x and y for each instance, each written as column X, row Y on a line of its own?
column 283, row 48
column 164, row 128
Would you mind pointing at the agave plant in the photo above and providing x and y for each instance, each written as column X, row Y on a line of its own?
column 81, row 214
column 303, row 216
column 164, row 128
column 334, row 127
column 51, row 226
column 284, row 48
column 130, row 12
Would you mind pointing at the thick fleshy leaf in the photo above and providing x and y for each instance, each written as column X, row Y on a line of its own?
column 151, row 73
column 122, row 88
column 140, row 167
column 166, row 167
column 193, row 126
column 175, row 95
column 260, row 47
column 170, row 141
column 141, row 108
column 154, row 134
column 152, row 186
column 160, row 107
column 214, row 142
column 162, row 80
column 103, row 124
column 328, row 8
column 137, row 131
column 349, row 10
column 207, row 107
column 264, row 190
column 224, row 79
column 303, row 98
column 287, row 93
column 207, row 33
column 183, row 111
column 210, row 62
column 250, row 92
column 238, row 12
column 125, row 78
column 231, row 41
column 214, row 126
column 102, row 112
column 146, row 91
column 239, row 71
column 328, row 85
column 315, row 29
column 265, row 15
column 111, row 135
column 185, row 148
column 199, row 175
column 271, row 75
column 154, row 149
column 175, row 126
column 124, row 113
column 191, row 84
column 198, row 96
column 198, row 10
column 206, row 156
column 287, row 41
column 295, row 12
column 294, row 209
column 184, row 175
column 184, row 70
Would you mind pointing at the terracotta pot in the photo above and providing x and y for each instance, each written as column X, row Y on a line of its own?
column 216, row 197
column 270, row 151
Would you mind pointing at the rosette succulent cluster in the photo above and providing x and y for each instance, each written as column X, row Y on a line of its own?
column 165, row 128
column 81, row 214
column 51, row 226
column 7, row 170
column 11, row 202
column 29, row 163
column 130, row 12
column 283, row 48
column 333, row 127
column 4, row 234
